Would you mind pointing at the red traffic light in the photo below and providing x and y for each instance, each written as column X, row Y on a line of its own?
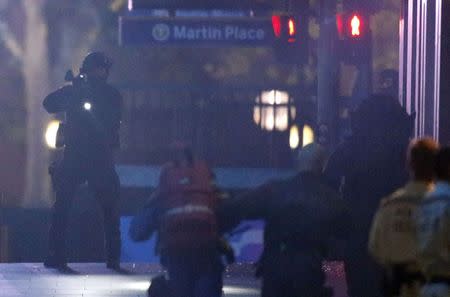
column 291, row 39
column 284, row 27
column 355, row 36
column 276, row 24
column 355, row 24
column 291, row 27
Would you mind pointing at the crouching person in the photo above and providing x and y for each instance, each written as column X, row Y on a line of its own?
column 182, row 210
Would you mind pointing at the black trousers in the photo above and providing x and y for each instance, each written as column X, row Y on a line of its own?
column 97, row 169
column 364, row 276
column 293, row 274
column 194, row 274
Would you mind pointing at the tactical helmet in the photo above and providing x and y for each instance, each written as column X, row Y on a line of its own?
column 94, row 60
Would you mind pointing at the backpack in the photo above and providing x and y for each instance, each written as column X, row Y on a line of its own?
column 188, row 201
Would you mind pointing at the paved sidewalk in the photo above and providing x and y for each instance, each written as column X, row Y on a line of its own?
column 94, row 280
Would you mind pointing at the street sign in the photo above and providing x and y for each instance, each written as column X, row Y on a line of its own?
column 199, row 4
column 195, row 32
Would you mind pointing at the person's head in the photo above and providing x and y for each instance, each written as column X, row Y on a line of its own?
column 96, row 66
column 389, row 82
column 421, row 158
column 312, row 158
column 442, row 167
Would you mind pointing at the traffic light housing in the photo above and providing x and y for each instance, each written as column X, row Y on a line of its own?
column 355, row 36
column 291, row 38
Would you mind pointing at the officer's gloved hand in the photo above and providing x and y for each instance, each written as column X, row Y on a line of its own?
column 80, row 81
column 82, row 90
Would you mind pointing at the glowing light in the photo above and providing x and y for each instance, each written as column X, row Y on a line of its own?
column 291, row 30
column 274, row 97
column 308, row 135
column 268, row 118
column 356, row 26
column 281, row 97
column 291, row 27
column 239, row 290
column 135, row 286
column 268, row 97
column 87, row 106
column 257, row 115
column 340, row 25
column 276, row 24
column 272, row 110
column 294, row 137
column 130, row 5
column 50, row 134
column 293, row 113
column 281, row 118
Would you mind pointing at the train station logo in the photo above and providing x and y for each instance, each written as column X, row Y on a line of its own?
column 161, row 32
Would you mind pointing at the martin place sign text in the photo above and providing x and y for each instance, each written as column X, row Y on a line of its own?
column 196, row 32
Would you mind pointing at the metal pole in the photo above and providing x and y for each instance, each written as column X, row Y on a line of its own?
column 327, row 70
column 4, row 235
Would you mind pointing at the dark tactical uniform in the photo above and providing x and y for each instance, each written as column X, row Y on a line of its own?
column 90, row 137
column 367, row 166
column 301, row 215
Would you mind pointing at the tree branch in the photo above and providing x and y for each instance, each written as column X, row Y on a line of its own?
column 10, row 41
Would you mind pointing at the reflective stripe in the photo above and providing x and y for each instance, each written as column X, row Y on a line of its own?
column 190, row 208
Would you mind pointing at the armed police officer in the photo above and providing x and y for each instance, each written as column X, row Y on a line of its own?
column 368, row 165
column 92, row 109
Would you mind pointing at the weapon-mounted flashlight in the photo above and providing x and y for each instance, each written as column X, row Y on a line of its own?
column 87, row 106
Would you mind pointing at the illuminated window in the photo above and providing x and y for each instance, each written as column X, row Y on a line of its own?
column 274, row 110
column 50, row 134
column 294, row 137
column 308, row 135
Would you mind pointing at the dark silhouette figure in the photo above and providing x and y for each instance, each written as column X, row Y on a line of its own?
column 301, row 214
column 90, row 133
column 367, row 166
column 389, row 82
